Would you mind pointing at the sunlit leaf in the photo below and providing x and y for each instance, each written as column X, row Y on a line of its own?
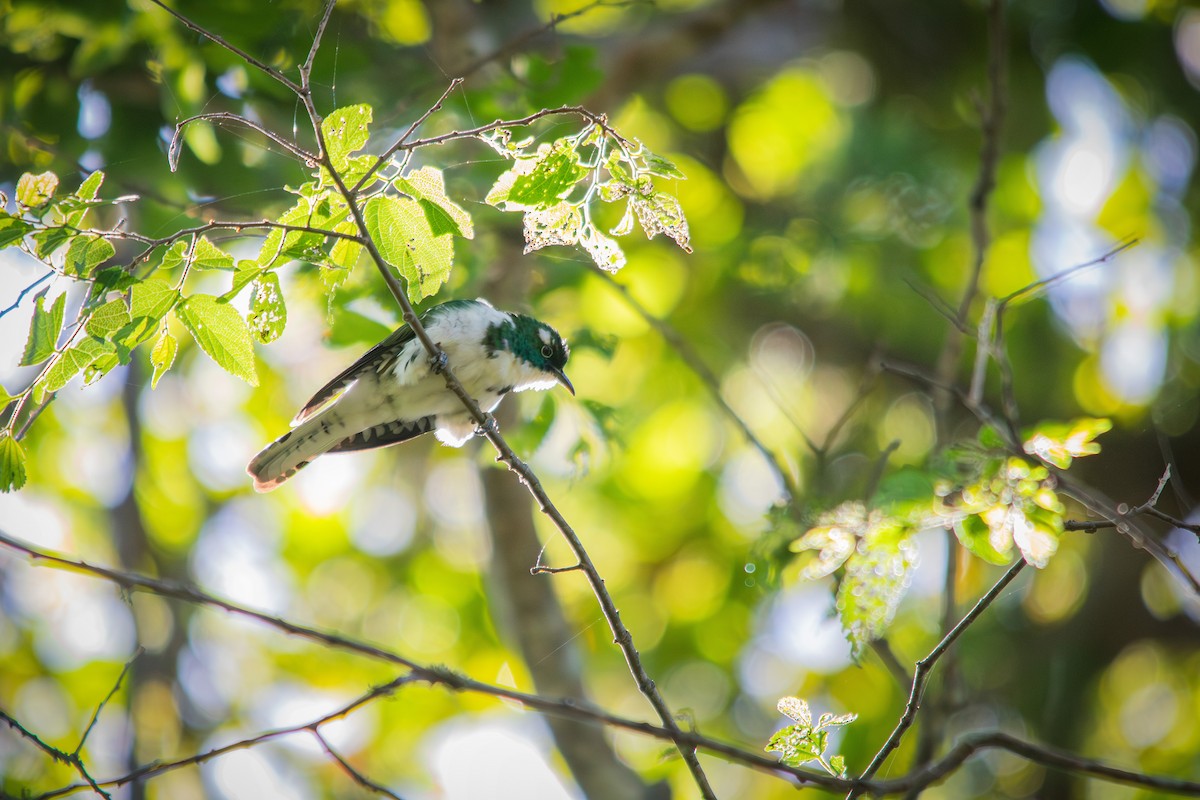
column 1061, row 442
column 539, row 181
column 152, row 298
column 875, row 581
column 206, row 255
column 268, row 314
column 604, row 250
column 427, row 187
column 557, row 225
column 661, row 213
column 85, row 253
column 221, row 333
column 44, row 329
column 402, row 235
column 162, row 355
column 662, row 167
column 107, row 319
column 12, row 463
column 12, row 230
column 346, row 130
column 36, row 190
column 73, row 361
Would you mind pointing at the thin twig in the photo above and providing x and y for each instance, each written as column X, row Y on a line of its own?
column 399, row 143
column 227, row 116
column 707, row 378
column 563, row 707
column 242, row 54
column 116, row 687
column 24, row 292
column 926, row 664
column 72, row 759
column 355, row 775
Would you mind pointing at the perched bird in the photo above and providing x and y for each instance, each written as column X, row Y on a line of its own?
column 394, row 392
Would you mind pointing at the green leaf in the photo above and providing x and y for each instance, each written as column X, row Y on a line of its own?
column 540, row 181
column 90, row 186
column 36, row 190
column 73, row 361
column 12, row 463
column 221, row 333
column 344, row 253
column 130, row 335
column 875, row 581
column 838, row 763
column 12, row 229
column 152, row 298
column 657, row 165
column 206, row 255
column 975, row 535
column 245, row 273
column 268, row 314
column 346, row 130
column 162, row 356
column 49, row 240
column 85, row 253
column 427, row 187
column 107, row 319
column 44, row 329
column 5, row 398
column 1061, row 442
column 113, row 279
column 176, row 254
column 405, row 241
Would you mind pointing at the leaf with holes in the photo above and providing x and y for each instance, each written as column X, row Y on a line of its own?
column 345, row 131
column 73, row 361
column 268, row 314
column 604, row 250
column 557, row 225
column 540, row 181
column 661, row 213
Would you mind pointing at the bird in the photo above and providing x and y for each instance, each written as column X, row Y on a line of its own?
column 395, row 391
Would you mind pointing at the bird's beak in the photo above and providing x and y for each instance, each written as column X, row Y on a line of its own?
column 562, row 378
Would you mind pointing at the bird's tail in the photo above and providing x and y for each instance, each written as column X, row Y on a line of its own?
column 292, row 452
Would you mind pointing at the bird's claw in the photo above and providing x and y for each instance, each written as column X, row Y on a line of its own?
column 438, row 363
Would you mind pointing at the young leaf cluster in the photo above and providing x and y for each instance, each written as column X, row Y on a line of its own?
column 998, row 504
column 804, row 740
column 557, row 185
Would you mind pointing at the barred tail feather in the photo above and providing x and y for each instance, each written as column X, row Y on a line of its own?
column 291, row 453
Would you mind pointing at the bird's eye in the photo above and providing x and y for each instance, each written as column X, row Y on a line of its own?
column 547, row 351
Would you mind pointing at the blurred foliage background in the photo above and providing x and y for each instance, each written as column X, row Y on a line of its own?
column 829, row 150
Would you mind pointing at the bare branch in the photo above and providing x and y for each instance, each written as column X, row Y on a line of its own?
column 226, row 116
column 72, row 759
column 399, row 143
column 116, row 687
column 240, row 53
column 925, row 665
column 355, row 775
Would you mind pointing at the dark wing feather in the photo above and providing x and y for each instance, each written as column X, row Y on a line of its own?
column 379, row 358
column 384, row 434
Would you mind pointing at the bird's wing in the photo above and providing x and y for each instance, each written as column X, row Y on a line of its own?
column 384, row 434
column 379, row 359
